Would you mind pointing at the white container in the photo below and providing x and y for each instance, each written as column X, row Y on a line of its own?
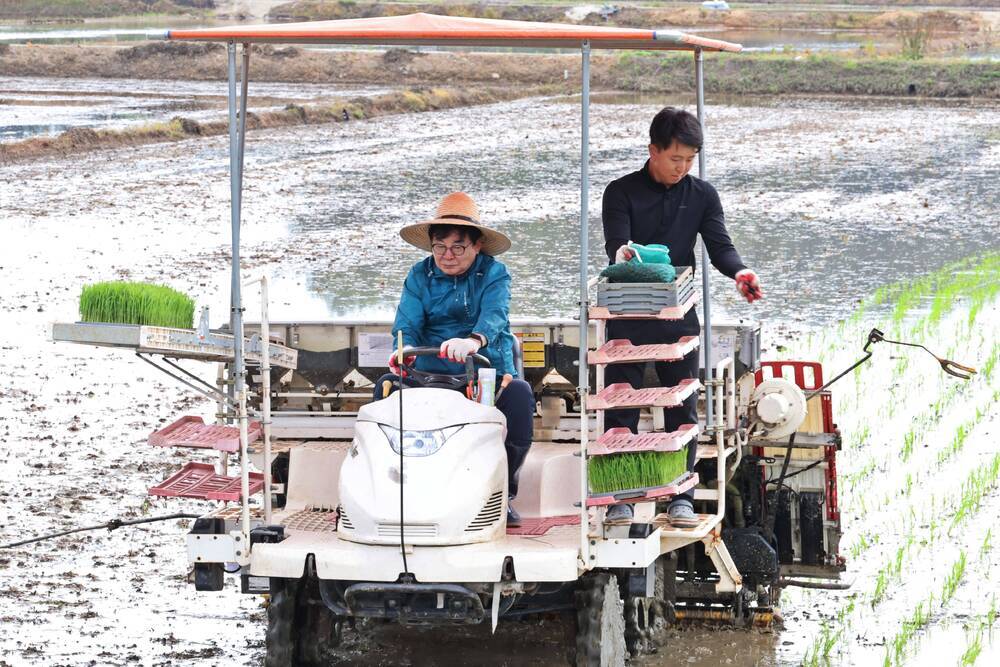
column 487, row 385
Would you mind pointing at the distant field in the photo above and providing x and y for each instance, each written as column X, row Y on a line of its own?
column 82, row 9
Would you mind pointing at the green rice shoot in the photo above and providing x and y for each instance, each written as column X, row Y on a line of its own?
column 136, row 303
column 618, row 472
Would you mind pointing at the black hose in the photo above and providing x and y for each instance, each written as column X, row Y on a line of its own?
column 110, row 525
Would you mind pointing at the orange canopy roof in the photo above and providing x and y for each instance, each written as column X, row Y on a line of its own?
column 431, row 29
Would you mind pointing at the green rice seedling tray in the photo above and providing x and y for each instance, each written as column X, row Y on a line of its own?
column 120, row 302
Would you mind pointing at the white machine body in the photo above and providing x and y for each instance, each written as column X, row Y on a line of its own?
column 780, row 407
column 454, row 474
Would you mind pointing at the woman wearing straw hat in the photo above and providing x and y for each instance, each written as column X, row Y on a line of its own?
column 457, row 299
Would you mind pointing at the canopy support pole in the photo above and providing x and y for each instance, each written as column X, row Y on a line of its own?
column 706, row 294
column 237, row 129
column 584, row 374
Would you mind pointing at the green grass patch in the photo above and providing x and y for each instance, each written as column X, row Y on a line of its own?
column 617, row 472
column 136, row 303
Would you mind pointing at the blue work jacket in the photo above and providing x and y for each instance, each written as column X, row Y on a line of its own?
column 435, row 307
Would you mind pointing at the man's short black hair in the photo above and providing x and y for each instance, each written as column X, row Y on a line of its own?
column 672, row 124
column 441, row 232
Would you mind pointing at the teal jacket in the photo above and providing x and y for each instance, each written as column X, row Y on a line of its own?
column 435, row 307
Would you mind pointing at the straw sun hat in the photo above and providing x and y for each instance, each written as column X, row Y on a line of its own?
column 456, row 209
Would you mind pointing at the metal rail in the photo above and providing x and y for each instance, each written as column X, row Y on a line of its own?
column 237, row 131
column 584, row 374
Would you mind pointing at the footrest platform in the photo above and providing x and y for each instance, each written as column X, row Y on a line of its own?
column 622, row 395
column 198, row 480
column 193, row 432
column 686, row 481
column 623, row 441
column 542, row 525
column 621, row 351
column 662, row 521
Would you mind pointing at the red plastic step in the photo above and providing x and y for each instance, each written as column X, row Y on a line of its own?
column 623, row 441
column 671, row 313
column 198, row 480
column 621, row 351
column 686, row 481
column 542, row 525
column 194, row 432
column 622, row 395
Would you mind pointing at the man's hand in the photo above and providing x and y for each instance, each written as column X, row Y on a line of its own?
column 749, row 285
column 457, row 349
column 394, row 363
column 624, row 254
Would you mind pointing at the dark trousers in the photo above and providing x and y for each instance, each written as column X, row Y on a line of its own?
column 517, row 403
column 650, row 332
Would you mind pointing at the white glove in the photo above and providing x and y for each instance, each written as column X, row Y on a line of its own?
column 624, row 254
column 457, row 349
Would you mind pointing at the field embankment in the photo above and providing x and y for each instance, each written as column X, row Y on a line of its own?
column 336, row 111
column 448, row 80
column 36, row 10
column 725, row 73
column 639, row 15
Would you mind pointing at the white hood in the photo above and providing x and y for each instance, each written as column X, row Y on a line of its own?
column 427, row 409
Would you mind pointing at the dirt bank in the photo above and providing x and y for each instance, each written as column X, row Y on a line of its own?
column 633, row 15
column 337, row 111
column 725, row 73
column 42, row 10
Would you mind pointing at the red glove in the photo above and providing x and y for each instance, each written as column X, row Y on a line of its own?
column 394, row 363
column 749, row 285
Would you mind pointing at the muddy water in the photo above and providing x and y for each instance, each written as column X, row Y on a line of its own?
column 826, row 199
column 32, row 106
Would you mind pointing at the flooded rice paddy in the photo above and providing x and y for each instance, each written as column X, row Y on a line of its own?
column 828, row 199
column 37, row 106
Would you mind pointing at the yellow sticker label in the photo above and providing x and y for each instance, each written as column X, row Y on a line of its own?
column 533, row 348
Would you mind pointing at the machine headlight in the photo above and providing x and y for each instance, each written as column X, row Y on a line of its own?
column 418, row 443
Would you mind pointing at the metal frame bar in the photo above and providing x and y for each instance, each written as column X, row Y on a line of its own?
column 265, row 393
column 584, row 372
column 237, row 132
column 208, row 393
column 706, row 294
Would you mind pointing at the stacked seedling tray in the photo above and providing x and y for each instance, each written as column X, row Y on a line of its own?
column 624, row 467
column 644, row 298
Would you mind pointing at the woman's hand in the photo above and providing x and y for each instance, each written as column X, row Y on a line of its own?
column 394, row 363
column 457, row 349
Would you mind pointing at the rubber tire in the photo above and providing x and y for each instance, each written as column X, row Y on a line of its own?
column 318, row 629
column 600, row 622
column 280, row 637
column 301, row 630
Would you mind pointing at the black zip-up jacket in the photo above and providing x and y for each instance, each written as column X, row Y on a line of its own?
column 637, row 208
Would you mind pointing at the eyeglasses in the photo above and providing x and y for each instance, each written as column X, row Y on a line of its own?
column 439, row 249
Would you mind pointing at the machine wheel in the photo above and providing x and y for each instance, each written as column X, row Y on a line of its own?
column 643, row 623
column 600, row 622
column 280, row 622
column 318, row 630
column 301, row 630
column 646, row 618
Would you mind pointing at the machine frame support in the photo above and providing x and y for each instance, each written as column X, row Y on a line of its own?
column 584, row 375
column 706, row 285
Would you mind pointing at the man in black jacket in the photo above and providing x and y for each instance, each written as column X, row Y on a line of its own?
column 662, row 203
